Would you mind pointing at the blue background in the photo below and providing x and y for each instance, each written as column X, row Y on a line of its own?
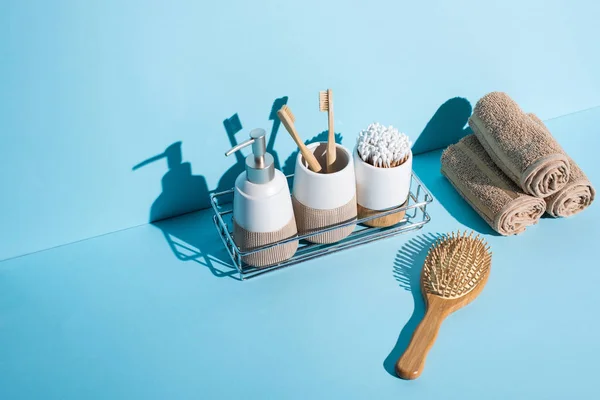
column 88, row 90
column 153, row 313
column 114, row 113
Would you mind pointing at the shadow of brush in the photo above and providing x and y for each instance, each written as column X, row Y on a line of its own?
column 407, row 271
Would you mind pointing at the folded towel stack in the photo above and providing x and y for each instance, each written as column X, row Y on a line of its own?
column 488, row 190
column 575, row 196
column 512, row 169
column 525, row 151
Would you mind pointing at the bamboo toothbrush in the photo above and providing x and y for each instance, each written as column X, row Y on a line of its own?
column 326, row 104
column 454, row 273
column 287, row 118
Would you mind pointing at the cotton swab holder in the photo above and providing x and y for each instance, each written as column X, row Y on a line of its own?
column 323, row 200
column 383, row 166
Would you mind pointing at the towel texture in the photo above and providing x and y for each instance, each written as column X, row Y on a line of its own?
column 526, row 152
column 577, row 194
column 488, row 190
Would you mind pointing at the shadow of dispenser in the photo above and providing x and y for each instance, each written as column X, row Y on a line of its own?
column 182, row 192
column 262, row 206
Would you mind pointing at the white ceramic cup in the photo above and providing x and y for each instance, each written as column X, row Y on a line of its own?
column 381, row 189
column 324, row 199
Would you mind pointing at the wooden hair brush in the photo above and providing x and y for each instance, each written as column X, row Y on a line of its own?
column 326, row 104
column 454, row 273
column 287, row 118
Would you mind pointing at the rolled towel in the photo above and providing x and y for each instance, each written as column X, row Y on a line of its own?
column 488, row 190
column 577, row 194
column 527, row 153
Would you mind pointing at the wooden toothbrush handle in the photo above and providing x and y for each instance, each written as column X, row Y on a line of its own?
column 331, row 149
column 310, row 158
column 412, row 362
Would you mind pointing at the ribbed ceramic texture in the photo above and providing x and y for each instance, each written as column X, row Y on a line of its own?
column 310, row 220
column 247, row 240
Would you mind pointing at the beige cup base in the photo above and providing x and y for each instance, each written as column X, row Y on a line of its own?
column 311, row 220
column 381, row 222
column 247, row 240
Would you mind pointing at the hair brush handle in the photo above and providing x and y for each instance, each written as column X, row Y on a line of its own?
column 412, row 362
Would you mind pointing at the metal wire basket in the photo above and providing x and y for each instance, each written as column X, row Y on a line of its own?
column 416, row 216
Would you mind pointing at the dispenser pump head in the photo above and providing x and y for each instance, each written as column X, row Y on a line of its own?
column 260, row 165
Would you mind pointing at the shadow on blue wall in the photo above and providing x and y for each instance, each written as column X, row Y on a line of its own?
column 183, row 193
column 407, row 271
column 447, row 126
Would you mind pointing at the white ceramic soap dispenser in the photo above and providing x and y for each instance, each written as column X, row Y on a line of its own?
column 262, row 206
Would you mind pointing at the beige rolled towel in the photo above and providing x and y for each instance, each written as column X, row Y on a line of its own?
column 577, row 194
column 495, row 197
column 527, row 153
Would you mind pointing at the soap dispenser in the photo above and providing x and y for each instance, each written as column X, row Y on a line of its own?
column 262, row 206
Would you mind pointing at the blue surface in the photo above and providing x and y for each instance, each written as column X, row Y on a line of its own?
column 90, row 89
column 152, row 312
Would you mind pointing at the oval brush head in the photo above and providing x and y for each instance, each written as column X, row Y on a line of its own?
column 455, row 264
column 454, row 273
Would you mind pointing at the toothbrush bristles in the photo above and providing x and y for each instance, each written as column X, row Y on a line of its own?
column 324, row 100
column 286, row 110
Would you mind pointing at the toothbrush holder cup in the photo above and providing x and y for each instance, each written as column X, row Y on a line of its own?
column 381, row 189
column 323, row 200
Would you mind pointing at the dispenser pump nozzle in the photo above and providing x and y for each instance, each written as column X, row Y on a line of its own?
column 260, row 164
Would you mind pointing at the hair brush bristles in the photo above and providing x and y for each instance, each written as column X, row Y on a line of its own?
column 455, row 264
column 324, row 100
column 286, row 110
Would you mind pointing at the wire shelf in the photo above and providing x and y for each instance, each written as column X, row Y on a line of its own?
column 416, row 216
